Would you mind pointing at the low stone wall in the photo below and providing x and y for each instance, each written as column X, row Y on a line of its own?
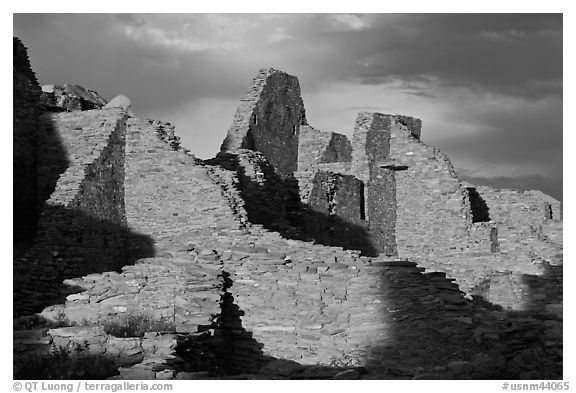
column 555, row 209
column 520, row 217
column 323, row 306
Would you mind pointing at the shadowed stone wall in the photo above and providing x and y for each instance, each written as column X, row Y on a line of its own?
column 338, row 200
column 82, row 226
column 371, row 148
column 26, row 94
column 269, row 119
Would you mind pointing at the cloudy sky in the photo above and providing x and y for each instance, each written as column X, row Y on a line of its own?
column 488, row 87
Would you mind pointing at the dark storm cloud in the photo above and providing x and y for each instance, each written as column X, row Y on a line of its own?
column 512, row 54
column 526, row 136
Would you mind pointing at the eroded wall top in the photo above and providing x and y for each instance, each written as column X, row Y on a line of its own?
column 269, row 119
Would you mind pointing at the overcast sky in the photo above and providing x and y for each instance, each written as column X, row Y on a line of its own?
column 488, row 87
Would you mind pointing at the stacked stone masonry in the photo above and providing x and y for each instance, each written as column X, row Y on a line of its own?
column 269, row 120
column 218, row 251
column 82, row 225
column 26, row 111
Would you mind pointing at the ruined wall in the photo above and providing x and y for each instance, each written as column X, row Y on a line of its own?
column 316, row 147
column 323, row 306
column 26, row 110
column 553, row 207
column 269, row 119
column 169, row 196
column 167, row 133
column 371, row 147
column 520, row 217
column 370, row 143
column 381, row 209
column 265, row 194
column 336, row 215
column 81, row 228
column 339, row 149
column 434, row 214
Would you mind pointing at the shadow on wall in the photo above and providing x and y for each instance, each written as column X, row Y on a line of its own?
column 233, row 353
column 69, row 242
column 274, row 202
column 73, row 245
column 545, row 291
column 327, row 229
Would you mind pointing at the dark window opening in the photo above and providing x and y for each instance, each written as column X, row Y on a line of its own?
column 480, row 210
column 548, row 211
column 362, row 203
column 293, row 130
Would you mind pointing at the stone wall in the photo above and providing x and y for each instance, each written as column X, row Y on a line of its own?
column 434, row 214
column 81, row 228
column 381, row 209
column 265, row 194
column 339, row 149
column 167, row 190
column 269, row 119
column 316, row 147
column 370, row 143
column 323, row 306
column 336, row 213
column 166, row 133
column 555, row 209
column 520, row 217
column 26, row 111
column 252, row 289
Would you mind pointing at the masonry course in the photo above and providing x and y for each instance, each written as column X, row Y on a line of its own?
column 335, row 259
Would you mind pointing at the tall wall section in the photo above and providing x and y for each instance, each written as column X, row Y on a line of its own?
column 434, row 215
column 269, row 119
column 371, row 143
column 82, row 226
column 26, row 111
